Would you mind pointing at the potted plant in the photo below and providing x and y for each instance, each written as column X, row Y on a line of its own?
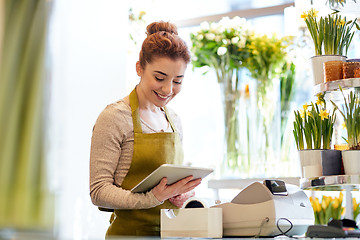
column 329, row 208
column 313, row 129
column 331, row 36
column 351, row 115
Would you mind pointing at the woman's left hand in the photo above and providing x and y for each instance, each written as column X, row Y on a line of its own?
column 179, row 200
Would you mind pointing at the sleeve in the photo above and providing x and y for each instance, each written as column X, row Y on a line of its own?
column 108, row 135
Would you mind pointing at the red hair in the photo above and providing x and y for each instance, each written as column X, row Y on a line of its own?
column 163, row 41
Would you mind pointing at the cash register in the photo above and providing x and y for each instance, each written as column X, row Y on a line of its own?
column 270, row 208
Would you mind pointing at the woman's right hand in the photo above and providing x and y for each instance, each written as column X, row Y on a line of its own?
column 162, row 191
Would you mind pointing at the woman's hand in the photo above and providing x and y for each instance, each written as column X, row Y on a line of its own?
column 180, row 199
column 162, row 191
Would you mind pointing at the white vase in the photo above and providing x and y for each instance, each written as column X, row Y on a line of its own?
column 310, row 163
column 351, row 161
column 317, row 64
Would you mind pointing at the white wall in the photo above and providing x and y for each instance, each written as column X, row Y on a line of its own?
column 88, row 41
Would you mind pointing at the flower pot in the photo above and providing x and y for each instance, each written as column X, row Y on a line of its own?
column 353, row 60
column 310, row 163
column 317, row 63
column 351, row 160
column 333, row 70
column 331, row 162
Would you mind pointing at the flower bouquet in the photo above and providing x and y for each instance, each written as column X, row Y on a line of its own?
column 329, row 208
column 267, row 63
column 223, row 48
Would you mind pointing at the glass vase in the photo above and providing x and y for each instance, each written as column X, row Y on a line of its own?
column 265, row 130
column 237, row 157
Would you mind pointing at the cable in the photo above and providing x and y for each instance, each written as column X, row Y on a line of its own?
column 281, row 231
column 266, row 219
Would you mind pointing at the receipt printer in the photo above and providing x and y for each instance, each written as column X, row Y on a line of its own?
column 193, row 220
column 267, row 209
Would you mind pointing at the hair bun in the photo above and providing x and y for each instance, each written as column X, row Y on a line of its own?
column 161, row 27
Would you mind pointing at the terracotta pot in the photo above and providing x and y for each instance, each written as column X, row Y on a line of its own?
column 333, row 70
column 351, row 160
column 317, row 63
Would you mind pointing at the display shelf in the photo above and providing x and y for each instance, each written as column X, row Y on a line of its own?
column 348, row 183
column 334, row 85
column 331, row 183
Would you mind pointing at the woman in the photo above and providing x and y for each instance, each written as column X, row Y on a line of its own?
column 137, row 134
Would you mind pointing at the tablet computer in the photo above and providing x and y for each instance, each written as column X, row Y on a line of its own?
column 173, row 173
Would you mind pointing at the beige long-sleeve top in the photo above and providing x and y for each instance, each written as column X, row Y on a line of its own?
column 110, row 158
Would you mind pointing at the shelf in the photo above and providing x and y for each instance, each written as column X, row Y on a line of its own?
column 331, row 183
column 334, row 85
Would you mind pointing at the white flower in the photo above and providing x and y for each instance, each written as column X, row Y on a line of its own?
column 204, row 26
column 225, row 21
column 238, row 22
column 218, row 38
column 221, row 51
column 226, row 41
column 215, row 28
column 200, row 37
column 235, row 40
column 241, row 43
column 210, row 36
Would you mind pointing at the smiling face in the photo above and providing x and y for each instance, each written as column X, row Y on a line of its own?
column 161, row 81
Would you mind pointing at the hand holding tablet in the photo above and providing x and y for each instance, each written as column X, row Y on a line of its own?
column 173, row 173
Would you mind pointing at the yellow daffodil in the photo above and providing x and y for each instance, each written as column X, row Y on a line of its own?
column 328, row 200
column 319, row 102
column 303, row 15
column 309, row 114
column 305, row 106
column 320, row 99
column 343, row 125
column 324, row 114
column 341, row 196
column 342, row 22
column 302, row 113
column 336, row 203
column 317, row 205
column 325, row 202
column 313, row 12
column 354, row 204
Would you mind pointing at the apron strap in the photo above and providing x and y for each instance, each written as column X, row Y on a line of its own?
column 134, row 104
column 169, row 119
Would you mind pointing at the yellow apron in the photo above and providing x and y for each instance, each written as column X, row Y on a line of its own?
column 150, row 151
